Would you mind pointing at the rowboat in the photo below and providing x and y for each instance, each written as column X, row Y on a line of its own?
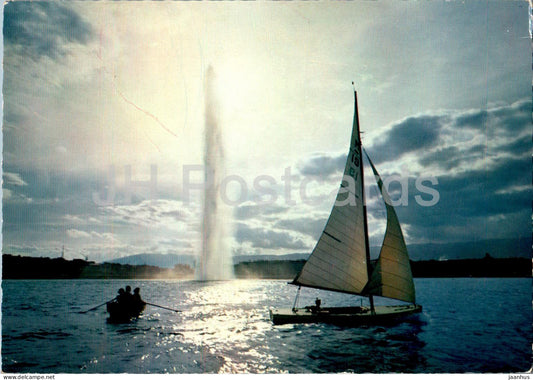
column 124, row 312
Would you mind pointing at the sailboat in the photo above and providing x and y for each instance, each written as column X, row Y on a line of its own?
column 340, row 261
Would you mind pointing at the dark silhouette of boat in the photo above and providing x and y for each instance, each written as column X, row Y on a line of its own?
column 124, row 311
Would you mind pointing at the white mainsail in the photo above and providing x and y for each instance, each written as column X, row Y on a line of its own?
column 392, row 277
column 339, row 259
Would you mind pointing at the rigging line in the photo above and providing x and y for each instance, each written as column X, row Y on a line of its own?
column 296, row 298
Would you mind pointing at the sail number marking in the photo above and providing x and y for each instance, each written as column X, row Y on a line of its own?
column 331, row 236
column 355, row 159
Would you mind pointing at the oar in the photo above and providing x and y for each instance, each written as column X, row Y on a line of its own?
column 163, row 307
column 96, row 307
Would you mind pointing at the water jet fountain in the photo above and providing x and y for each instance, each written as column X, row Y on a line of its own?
column 215, row 261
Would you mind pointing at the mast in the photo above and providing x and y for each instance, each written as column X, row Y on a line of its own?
column 339, row 260
column 360, row 143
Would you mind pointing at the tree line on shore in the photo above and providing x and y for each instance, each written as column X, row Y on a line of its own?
column 23, row 267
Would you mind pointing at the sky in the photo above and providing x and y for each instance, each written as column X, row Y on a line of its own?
column 104, row 114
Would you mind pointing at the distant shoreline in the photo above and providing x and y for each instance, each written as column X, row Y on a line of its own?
column 26, row 268
column 486, row 267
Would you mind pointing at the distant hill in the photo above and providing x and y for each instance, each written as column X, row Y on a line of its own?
column 287, row 257
column 170, row 260
column 156, row 259
column 497, row 248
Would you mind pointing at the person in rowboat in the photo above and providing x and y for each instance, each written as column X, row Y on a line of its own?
column 121, row 295
column 137, row 296
column 128, row 297
column 138, row 302
column 128, row 291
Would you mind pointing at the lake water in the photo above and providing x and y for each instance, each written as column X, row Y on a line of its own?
column 467, row 325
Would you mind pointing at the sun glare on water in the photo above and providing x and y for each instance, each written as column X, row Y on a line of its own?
column 223, row 315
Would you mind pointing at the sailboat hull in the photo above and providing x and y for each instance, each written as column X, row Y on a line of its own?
column 343, row 315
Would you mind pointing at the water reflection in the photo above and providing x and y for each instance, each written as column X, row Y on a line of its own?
column 224, row 328
column 223, row 318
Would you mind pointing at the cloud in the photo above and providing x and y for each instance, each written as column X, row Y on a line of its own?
column 6, row 195
column 475, row 204
column 43, row 29
column 81, row 219
column 452, row 157
column 457, row 140
column 56, row 208
column 23, row 249
column 77, row 234
column 409, row 135
column 153, row 212
column 13, row 179
column 305, row 225
column 48, row 186
column 268, row 238
column 175, row 243
column 251, row 210
column 322, row 164
column 482, row 162
column 506, row 118
column 520, row 146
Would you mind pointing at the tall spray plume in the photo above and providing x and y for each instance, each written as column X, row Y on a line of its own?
column 215, row 261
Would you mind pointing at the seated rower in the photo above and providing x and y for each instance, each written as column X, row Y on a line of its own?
column 128, row 297
column 137, row 300
column 121, row 295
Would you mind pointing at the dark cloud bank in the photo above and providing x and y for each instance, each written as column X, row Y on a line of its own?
column 41, row 29
column 481, row 160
